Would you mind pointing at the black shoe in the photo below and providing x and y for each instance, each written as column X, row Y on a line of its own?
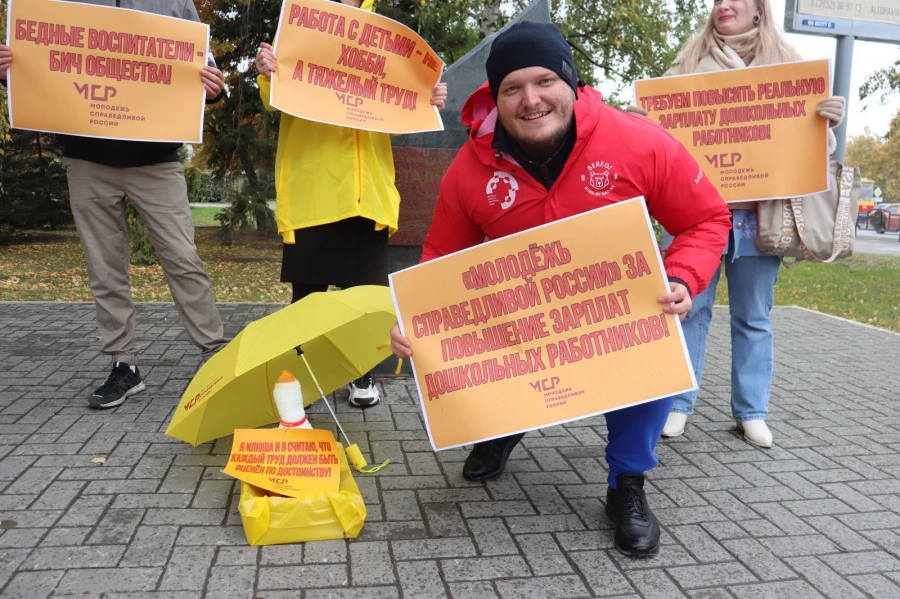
column 488, row 459
column 637, row 529
column 120, row 383
column 364, row 392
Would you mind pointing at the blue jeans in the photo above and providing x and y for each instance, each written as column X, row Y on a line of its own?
column 751, row 292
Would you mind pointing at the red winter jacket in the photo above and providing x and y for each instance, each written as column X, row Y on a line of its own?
column 616, row 157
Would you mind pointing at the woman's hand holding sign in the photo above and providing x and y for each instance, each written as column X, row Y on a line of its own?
column 439, row 95
column 265, row 60
column 831, row 108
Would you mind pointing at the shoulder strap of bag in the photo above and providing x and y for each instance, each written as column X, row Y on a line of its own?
column 787, row 229
column 842, row 233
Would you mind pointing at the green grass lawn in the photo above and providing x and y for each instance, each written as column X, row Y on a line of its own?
column 864, row 288
column 204, row 216
column 50, row 266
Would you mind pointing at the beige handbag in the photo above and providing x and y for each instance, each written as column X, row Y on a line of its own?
column 820, row 227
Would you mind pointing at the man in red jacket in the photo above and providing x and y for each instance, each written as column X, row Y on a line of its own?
column 544, row 147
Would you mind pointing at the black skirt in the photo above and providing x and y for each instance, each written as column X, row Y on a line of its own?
column 346, row 253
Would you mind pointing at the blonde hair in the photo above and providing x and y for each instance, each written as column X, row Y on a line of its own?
column 771, row 49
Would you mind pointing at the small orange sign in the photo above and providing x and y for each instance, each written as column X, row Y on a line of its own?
column 550, row 325
column 294, row 462
column 98, row 71
column 351, row 67
column 754, row 131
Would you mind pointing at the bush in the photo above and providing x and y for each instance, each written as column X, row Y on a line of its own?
column 34, row 192
column 202, row 186
column 248, row 209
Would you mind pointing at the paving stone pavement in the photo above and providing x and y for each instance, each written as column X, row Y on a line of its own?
column 816, row 516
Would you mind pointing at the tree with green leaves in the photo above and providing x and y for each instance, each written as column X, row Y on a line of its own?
column 877, row 158
column 449, row 27
column 4, row 121
column 619, row 41
column 33, row 189
column 239, row 134
column 626, row 40
column 881, row 84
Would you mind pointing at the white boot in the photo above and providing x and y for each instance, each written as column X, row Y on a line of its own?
column 756, row 433
column 674, row 424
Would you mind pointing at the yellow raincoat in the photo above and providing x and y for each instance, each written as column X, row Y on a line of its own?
column 325, row 173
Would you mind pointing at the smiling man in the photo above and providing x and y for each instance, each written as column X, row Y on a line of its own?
column 544, row 147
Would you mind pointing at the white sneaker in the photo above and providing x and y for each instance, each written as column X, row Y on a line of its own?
column 756, row 433
column 674, row 424
column 364, row 392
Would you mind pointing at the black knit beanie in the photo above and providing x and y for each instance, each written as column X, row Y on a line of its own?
column 528, row 44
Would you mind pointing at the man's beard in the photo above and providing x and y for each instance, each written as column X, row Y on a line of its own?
column 540, row 149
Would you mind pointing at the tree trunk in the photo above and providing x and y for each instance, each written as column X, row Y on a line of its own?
column 489, row 21
column 247, row 166
column 40, row 152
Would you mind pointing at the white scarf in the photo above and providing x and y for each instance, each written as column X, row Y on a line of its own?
column 735, row 51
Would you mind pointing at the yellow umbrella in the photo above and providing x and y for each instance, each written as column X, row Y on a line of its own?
column 326, row 340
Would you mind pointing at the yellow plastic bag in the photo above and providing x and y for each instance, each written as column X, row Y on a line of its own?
column 276, row 520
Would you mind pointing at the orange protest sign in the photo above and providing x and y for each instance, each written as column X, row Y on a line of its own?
column 294, row 462
column 347, row 66
column 754, row 131
column 546, row 326
column 107, row 72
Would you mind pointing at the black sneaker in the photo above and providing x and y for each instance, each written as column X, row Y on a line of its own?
column 487, row 460
column 637, row 529
column 364, row 392
column 120, row 383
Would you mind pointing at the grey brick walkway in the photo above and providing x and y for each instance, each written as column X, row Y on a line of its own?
column 818, row 516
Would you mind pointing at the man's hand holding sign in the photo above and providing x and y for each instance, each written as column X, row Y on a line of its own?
column 213, row 81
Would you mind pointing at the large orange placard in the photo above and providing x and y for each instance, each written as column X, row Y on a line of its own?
column 546, row 326
column 754, row 131
column 98, row 71
column 347, row 66
column 294, row 462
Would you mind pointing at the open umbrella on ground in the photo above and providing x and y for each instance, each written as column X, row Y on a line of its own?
column 326, row 340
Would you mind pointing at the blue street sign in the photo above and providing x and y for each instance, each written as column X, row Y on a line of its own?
column 822, row 24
